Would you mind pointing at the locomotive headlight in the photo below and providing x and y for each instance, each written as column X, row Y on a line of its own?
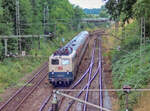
column 67, row 72
column 52, row 71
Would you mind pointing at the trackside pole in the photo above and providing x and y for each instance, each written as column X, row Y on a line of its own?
column 6, row 50
column 126, row 89
column 54, row 102
column 82, row 101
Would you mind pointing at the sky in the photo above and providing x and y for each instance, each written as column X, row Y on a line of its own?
column 88, row 3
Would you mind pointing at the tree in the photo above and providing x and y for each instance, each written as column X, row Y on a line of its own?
column 7, row 24
column 142, row 8
column 103, row 12
column 26, row 16
column 8, row 16
column 121, row 8
column 78, row 15
column 66, row 13
column 37, row 16
column 130, row 9
column 59, row 12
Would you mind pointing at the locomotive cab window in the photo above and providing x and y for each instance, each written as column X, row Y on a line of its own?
column 55, row 61
column 65, row 62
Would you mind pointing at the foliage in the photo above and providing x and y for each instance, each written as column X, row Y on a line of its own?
column 103, row 13
column 26, row 16
column 125, row 10
column 59, row 15
column 128, row 71
column 78, row 15
column 12, row 69
column 1, row 10
column 121, row 8
column 127, row 66
column 141, row 8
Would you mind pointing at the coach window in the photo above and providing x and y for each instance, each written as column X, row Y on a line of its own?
column 55, row 61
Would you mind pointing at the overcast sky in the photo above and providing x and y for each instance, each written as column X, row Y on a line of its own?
column 88, row 3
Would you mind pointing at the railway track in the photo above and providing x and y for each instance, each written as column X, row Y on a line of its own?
column 18, row 98
column 92, row 75
column 16, row 101
column 49, row 98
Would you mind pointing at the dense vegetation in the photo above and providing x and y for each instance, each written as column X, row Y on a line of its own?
column 103, row 13
column 58, row 15
column 128, row 66
column 13, row 69
column 61, row 18
column 125, row 10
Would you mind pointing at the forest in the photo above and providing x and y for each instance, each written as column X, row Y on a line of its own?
column 35, row 17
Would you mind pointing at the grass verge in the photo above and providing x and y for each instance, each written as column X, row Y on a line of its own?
column 13, row 69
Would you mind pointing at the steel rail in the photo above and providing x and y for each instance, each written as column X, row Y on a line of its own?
column 90, row 73
column 45, row 102
column 100, row 77
column 18, row 91
column 92, row 61
column 83, row 76
column 43, row 105
column 82, row 90
column 88, row 69
column 82, row 101
column 18, row 106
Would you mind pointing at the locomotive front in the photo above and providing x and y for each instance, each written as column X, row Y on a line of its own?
column 63, row 63
column 60, row 68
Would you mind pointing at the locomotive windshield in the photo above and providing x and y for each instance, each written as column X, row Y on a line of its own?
column 65, row 61
column 55, row 61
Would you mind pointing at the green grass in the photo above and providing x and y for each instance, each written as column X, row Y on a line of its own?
column 1, row 99
column 13, row 69
column 129, row 69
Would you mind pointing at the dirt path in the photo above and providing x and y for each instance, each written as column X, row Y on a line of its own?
column 110, row 98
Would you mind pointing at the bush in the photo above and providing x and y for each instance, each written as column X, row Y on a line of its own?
column 129, row 69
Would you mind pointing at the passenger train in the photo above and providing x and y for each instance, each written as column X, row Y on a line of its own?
column 64, row 63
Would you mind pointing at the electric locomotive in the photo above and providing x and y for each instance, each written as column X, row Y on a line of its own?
column 63, row 64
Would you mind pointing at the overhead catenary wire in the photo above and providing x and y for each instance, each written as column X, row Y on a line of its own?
column 23, row 36
column 104, row 90
column 82, row 101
